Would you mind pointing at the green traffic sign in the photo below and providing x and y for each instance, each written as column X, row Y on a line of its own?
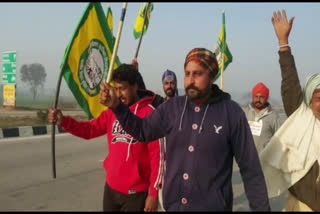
column 9, row 78
column 9, row 67
column 9, row 56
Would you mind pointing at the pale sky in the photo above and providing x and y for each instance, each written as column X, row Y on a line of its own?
column 40, row 32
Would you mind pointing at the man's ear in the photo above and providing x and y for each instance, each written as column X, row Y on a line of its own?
column 211, row 77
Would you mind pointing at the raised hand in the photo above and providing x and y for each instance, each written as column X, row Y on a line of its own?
column 281, row 26
column 108, row 96
column 55, row 116
column 135, row 63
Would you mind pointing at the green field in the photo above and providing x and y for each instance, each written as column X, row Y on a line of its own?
column 26, row 101
column 29, row 112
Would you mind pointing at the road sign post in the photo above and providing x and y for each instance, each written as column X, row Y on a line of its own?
column 9, row 67
column 9, row 77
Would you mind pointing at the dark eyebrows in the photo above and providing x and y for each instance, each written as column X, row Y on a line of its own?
column 194, row 71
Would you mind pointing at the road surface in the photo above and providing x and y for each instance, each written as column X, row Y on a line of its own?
column 26, row 182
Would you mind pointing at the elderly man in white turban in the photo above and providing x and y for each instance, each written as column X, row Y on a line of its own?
column 291, row 159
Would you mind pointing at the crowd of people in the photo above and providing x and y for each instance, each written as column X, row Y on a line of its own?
column 178, row 151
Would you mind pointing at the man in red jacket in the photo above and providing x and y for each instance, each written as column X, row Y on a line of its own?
column 133, row 169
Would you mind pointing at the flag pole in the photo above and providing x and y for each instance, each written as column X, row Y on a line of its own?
column 53, row 149
column 223, row 52
column 221, row 75
column 144, row 21
column 116, row 45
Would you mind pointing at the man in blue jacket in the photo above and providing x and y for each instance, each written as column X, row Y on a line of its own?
column 204, row 129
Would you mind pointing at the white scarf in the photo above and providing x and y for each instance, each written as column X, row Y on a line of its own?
column 293, row 149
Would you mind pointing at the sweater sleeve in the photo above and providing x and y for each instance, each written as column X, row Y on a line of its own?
column 277, row 123
column 86, row 129
column 248, row 161
column 291, row 91
column 145, row 129
column 154, row 157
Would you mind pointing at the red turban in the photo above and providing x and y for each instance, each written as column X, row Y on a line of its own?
column 262, row 89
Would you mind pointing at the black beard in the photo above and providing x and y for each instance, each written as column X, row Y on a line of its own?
column 259, row 107
column 192, row 87
column 201, row 94
column 170, row 92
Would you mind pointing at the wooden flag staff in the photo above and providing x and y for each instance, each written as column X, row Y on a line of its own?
column 223, row 53
column 116, row 45
column 53, row 143
column 221, row 75
column 144, row 21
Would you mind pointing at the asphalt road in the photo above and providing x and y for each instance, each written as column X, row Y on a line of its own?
column 26, row 182
column 240, row 202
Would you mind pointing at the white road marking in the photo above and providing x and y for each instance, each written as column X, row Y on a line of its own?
column 21, row 139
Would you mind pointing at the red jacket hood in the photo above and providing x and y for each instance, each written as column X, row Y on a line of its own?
column 146, row 98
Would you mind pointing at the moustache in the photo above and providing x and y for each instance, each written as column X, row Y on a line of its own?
column 192, row 87
column 257, row 103
column 169, row 89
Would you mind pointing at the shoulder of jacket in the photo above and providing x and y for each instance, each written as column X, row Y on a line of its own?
column 245, row 108
column 233, row 105
column 146, row 109
column 105, row 113
column 233, row 111
column 274, row 113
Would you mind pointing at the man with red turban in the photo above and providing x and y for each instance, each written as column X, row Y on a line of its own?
column 263, row 121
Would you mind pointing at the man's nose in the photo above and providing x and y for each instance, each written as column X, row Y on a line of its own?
column 190, row 79
column 118, row 93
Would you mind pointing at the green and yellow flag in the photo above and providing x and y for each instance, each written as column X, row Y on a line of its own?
column 86, row 60
column 110, row 19
column 222, row 49
column 110, row 23
column 139, row 21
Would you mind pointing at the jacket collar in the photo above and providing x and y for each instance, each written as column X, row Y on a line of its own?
column 146, row 98
column 217, row 95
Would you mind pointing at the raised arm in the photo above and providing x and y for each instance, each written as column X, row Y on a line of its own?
column 141, row 84
column 84, row 129
column 148, row 129
column 291, row 90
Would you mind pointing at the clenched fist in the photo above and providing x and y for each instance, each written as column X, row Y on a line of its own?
column 55, row 116
column 108, row 96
